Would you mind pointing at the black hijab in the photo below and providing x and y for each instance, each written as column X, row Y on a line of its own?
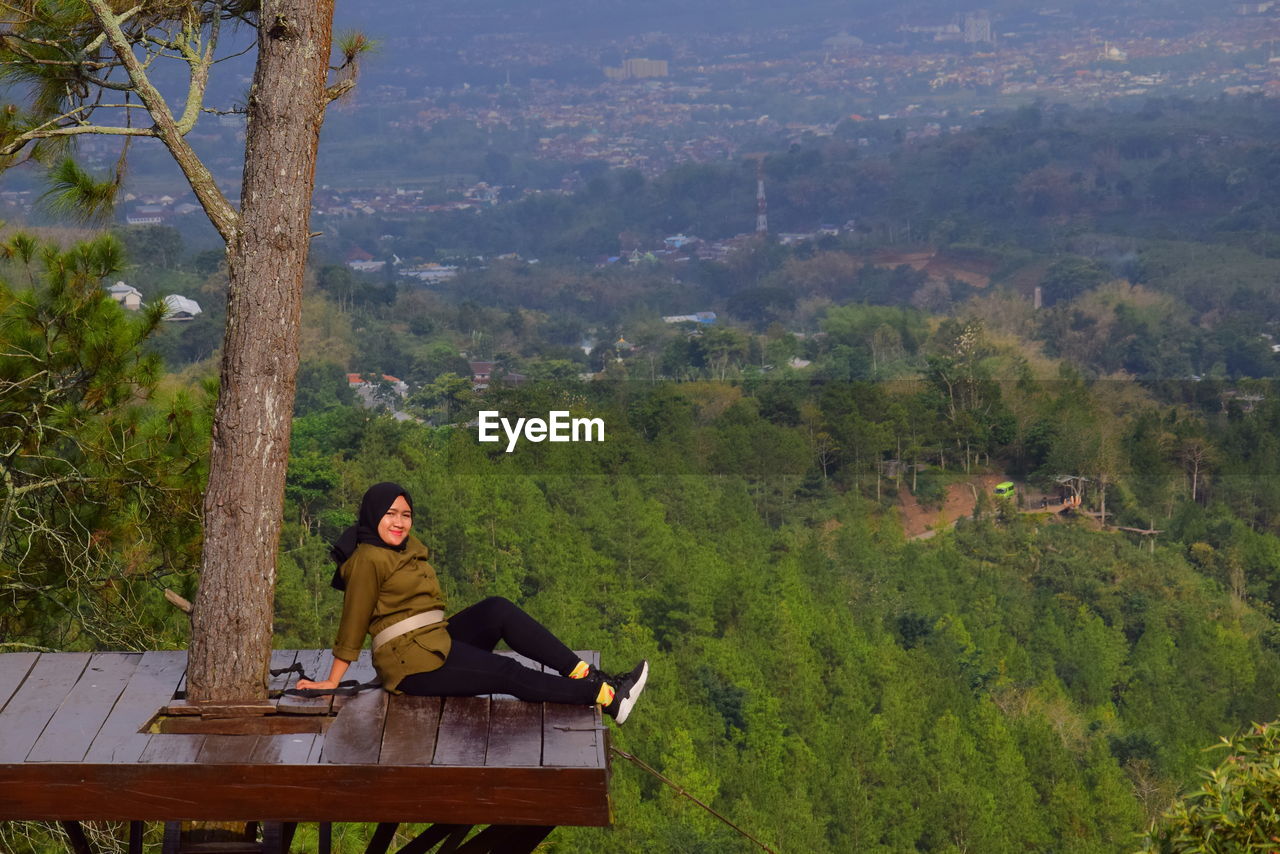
column 375, row 504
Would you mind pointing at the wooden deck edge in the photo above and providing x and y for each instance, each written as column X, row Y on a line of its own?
column 304, row 793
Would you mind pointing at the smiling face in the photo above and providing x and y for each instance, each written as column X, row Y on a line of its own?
column 396, row 522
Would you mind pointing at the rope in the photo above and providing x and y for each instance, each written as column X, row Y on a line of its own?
column 679, row 790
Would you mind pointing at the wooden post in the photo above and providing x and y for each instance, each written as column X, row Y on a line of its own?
column 506, row 839
column 79, row 842
column 382, row 838
column 434, row 835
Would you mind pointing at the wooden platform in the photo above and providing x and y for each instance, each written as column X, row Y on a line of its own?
column 72, row 748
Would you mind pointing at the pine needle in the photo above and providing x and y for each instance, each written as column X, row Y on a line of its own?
column 75, row 193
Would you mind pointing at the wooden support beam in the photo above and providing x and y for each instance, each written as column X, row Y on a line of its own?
column 325, row 841
column 382, row 838
column 433, row 836
column 174, row 781
column 248, row 708
column 454, row 840
column 506, row 839
column 79, row 842
column 135, row 837
column 172, row 837
column 277, row 836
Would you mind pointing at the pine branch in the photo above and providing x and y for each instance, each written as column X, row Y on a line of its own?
column 104, row 83
column 339, row 89
column 74, row 192
column 199, row 74
column 101, row 39
column 224, row 217
column 9, row 38
column 50, row 127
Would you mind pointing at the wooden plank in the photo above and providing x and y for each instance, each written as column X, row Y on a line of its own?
column 592, row 657
column 151, row 686
column 227, row 749
column 356, row 734
column 324, row 792
column 169, row 749
column 313, row 662
column 317, row 750
column 280, row 659
column 14, row 667
column 35, row 702
column 410, row 734
column 572, row 736
column 464, row 731
column 225, row 709
column 292, row 749
column 82, row 713
column 316, row 663
column 361, row 670
column 266, row 725
column 515, row 733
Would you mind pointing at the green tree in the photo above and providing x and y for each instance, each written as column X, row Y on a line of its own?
column 1070, row 277
column 100, row 479
column 1234, row 810
column 311, row 480
column 72, row 64
column 448, row 394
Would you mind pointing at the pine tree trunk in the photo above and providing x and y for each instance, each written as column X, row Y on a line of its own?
column 232, row 618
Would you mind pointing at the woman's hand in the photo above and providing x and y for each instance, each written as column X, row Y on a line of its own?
column 336, row 672
column 307, row 684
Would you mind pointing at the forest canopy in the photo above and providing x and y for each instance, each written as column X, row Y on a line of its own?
column 1035, row 677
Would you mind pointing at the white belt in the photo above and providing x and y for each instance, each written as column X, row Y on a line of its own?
column 408, row 624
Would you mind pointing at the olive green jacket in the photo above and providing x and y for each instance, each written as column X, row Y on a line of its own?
column 384, row 586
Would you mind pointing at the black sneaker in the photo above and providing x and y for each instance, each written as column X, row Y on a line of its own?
column 625, row 691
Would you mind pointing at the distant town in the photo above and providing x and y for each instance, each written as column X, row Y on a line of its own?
column 650, row 102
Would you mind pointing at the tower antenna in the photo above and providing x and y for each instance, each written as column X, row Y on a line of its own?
column 762, row 206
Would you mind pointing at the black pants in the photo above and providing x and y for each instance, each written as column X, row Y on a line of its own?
column 473, row 668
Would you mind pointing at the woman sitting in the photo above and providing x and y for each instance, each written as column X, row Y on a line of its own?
column 391, row 592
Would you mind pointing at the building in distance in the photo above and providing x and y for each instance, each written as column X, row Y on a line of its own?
column 977, row 28
column 703, row 317
column 842, row 42
column 129, row 297
column 431, row 273
column 636, row 69
column 180, row 308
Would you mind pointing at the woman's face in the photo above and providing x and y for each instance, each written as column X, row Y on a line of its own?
column 396, row 522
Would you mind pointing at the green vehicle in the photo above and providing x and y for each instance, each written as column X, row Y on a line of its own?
column 1005, row 490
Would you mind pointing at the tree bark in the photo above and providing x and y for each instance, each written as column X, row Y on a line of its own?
column 232, row 619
